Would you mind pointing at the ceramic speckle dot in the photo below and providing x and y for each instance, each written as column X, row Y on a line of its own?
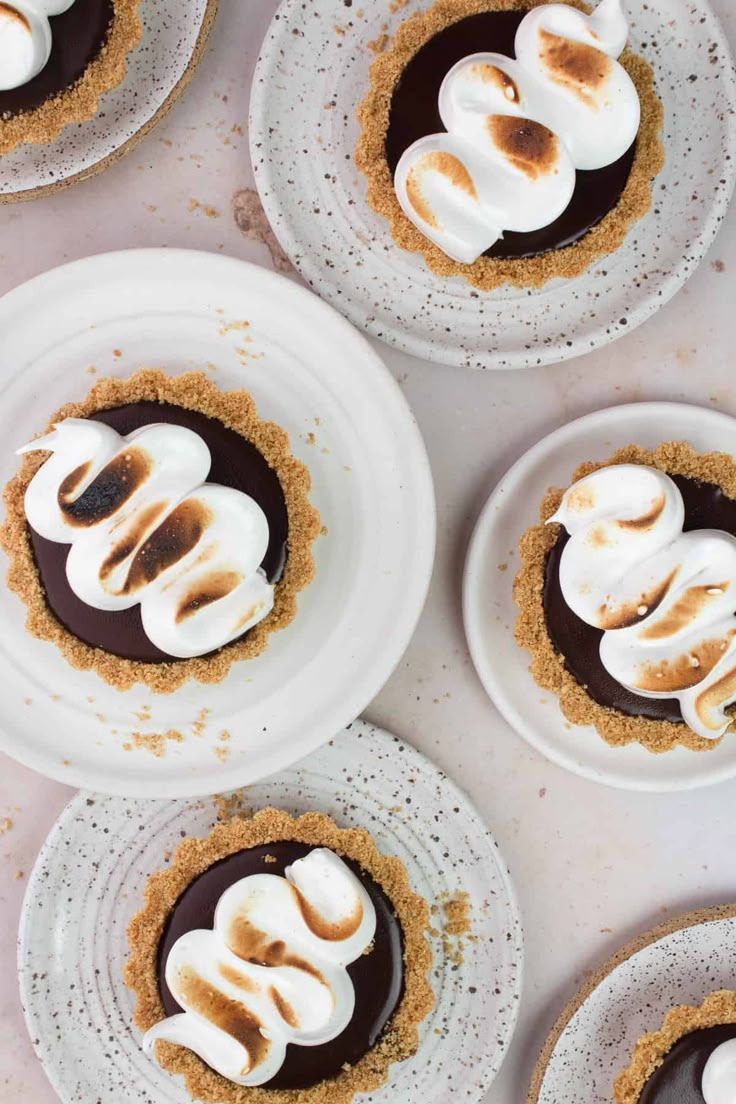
column 89, row 880
column 311, row 76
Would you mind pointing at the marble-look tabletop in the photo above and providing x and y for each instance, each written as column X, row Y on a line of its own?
column 592, row 866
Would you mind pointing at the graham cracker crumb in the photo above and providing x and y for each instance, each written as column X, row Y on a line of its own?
column 6, row 825
column 153, row 742
column 491, row 272
column 270, row 859
column 236, row 410
column 231, row 805
column 399, row 1039
column 548, row 666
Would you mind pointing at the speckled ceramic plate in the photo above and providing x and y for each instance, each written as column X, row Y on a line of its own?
column 174, row 38
column 490, row 614
column 89, row 878
column 679, row 962
column 313, row 73
column 347, row 420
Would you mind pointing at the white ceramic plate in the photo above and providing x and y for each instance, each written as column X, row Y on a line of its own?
column 313, row 73
column 680, row 962
column 175, row 34
column 89, row 878
column 348, row 421
column 490, row 613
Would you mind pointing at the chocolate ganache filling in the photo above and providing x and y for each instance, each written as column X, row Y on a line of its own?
column 78, row 36
column 377, row 977
column 236, row 463
column 678, row 1080
column 706, row 507
column 415, row 114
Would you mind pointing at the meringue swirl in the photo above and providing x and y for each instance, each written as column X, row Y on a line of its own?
column 517, row 130
column 25, row 39
column 272, row 971
column 719, row 1075
column 145, row 528
column 665, row 599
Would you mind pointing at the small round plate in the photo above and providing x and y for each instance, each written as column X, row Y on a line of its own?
column 175, row 34
column 313, row 73
column 347, row 420
column 679, row 962
column 90, row 877
column 490, row 613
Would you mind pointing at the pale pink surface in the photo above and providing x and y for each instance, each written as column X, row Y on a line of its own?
column 592, row 866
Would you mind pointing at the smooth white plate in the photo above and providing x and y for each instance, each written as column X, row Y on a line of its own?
column 89, row 878
column 678, row 964
column 489, row 611
column 348, row 421
column 313, row 73
column 175, row 31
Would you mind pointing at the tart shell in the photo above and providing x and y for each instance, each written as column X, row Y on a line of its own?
column 399, row 1039
column 237, row 411
column 488, row 273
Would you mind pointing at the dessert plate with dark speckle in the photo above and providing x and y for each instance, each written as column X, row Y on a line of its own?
column 310, row 79
column 490, row 612
column 175, row 34
column 677, row 963
column 89, row 878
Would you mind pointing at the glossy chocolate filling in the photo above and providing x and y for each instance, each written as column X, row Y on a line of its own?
column 678, row 1080
column 415, row 113
column 706, row 507
column 78, row 36
column 235, row 463
column 378, row 977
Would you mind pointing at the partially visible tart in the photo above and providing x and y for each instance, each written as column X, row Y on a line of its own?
column 691, row 1059
column 278, row 942
column 401, row 111
column 90, row 41
column 193, row 572
column 565, row 649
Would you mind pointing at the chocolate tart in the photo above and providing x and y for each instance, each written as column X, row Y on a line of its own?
column 667, row 1065
column 91, row 41
column 248, row 454
column 401, row 107
column 565, row 651
column 390, row 980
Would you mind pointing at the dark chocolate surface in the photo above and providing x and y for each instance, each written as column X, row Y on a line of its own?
column 678, row 1079
column 78, row 36
column 706, row 507
column 235, row 463
column 415, row 114
column 377, row 977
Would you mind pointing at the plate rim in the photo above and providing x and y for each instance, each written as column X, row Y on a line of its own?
column 79, row 799
column 690, row 919
column 43, row 190
column 472, row 574
column 542, row 353
column 74, row 775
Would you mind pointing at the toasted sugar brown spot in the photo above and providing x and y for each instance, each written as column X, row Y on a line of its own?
column 529, row 146
column 447, row 165
column 14, row 15
column 284, row 1009
column 322, row 928
column 217, row 585
column 625, row 614
column 690, row 603
column 575, row 66
column 711, row 699
column 174, row 539
column 133, row 537
column 252, row 945
column 72, row 481
column 112, row 488
column 491, row 74
column 580, row 499
column 684, row 672
column 229, row 1015
column 646, row 521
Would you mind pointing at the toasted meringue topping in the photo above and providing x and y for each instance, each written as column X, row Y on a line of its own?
column 518, row 129
column 25, row 39
column 719, row 1075
column 665, row 599
column 273, row 970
